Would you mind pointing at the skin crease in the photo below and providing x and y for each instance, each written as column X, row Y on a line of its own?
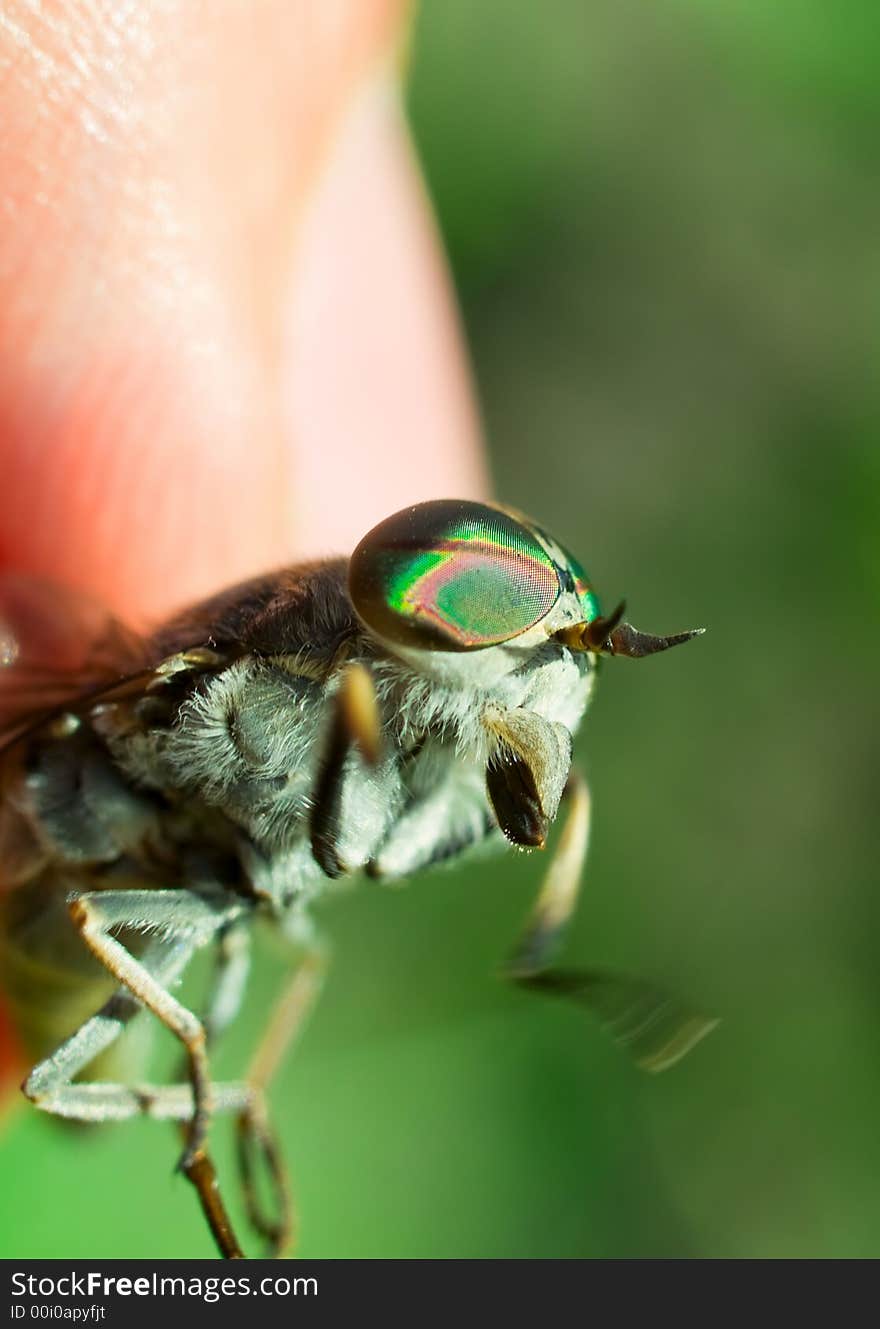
column 227, row 337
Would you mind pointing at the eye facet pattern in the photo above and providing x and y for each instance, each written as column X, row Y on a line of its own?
column 451, row 575
column 584, row 590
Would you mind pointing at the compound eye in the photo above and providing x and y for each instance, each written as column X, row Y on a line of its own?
column 583, row 589
column 451, row 575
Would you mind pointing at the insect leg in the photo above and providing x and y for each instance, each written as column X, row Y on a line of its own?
column 248, row 1099
column 654, row 1025
column 231, row 969
column 437, row 825
column 230, row 979
column 194, row 920
column 180, row 913
column 527, row 772
column 49, row 1086
column 255, row 1135
column 558, row 896
column 355, row 723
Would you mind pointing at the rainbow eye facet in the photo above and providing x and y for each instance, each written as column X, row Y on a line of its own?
column 451, row 575
column 584, row 589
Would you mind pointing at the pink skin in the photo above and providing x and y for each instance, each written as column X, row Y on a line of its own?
column 227, row 338
column 377, row 387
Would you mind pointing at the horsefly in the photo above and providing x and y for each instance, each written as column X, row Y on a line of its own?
column 375, row 714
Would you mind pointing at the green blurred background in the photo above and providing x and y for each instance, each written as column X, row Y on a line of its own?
column 663, row 221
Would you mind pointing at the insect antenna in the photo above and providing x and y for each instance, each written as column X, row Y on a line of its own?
column 612, row 636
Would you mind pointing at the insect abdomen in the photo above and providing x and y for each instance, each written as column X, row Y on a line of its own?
column 50, row 982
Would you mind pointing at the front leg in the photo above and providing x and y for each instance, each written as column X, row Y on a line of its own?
column 528, row 775
column 355, row 788
column 526, row 779
column 528, row 768
column 557, row 899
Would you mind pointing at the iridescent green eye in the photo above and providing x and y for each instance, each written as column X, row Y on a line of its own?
column 451, row 575
column 583, row 589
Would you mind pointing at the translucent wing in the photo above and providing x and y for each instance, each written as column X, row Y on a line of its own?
column 57, row 646
column 654, row 1026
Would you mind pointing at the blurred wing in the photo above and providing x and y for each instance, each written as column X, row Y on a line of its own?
column 653, row 1025
column 56, row 646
